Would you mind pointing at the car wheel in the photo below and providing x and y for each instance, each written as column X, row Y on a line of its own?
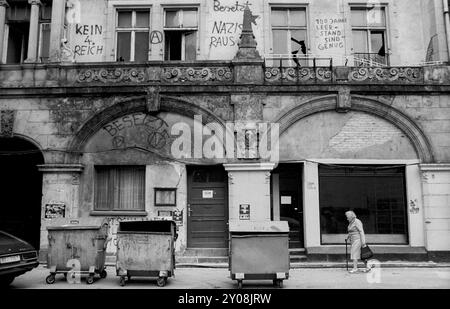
column 7, row 280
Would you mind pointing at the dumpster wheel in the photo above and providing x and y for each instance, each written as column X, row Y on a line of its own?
column 122, row 281
column 278, row 283
column 90, row 279
column 50, row 279
column 103, row 274
column 161, row 281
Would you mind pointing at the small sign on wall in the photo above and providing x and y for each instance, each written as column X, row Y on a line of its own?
column 286, row 200
column 244, row 212
column 207, row 193
column 55, row 210
column 178, row 217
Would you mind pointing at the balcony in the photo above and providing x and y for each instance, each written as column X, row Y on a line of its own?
column 310, row 71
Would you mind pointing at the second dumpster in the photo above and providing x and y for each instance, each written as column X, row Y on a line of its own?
column 146, row 249
column 259, row 250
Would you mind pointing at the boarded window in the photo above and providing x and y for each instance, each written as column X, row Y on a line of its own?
column 376, row 194
column 180, row 34
column 132, row 35
column 120, row 188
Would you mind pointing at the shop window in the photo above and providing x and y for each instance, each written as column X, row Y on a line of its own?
column 180, row 34
column 120, row 188
column 376, row 194
column 132, row 35
column 369, row 36
column 165, row 197
column 289, row 35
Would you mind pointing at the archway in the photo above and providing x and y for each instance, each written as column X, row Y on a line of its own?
column 20, row 189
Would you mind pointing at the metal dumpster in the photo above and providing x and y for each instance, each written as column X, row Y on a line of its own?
column 146, row 249
column 77, row 246
column 259, row 250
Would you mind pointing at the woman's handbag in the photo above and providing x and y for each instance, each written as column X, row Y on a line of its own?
column 366, row 253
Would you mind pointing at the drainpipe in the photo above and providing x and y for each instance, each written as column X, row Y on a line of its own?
column 447, row 25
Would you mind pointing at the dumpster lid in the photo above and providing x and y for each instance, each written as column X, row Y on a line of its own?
column 77, row 223
column 161, row 226
column 259, row 226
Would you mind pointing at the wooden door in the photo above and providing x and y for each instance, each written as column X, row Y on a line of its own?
column 207, row 207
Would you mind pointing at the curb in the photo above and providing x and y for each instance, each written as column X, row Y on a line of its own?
column 310, row 265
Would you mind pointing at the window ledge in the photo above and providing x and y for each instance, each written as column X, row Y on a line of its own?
column 118, row 213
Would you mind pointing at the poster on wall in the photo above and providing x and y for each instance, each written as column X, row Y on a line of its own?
column 55, row 210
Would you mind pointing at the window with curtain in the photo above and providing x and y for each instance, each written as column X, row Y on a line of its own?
column 369, row 36
column 132, row 35
column 120, row 188
column 289, row 36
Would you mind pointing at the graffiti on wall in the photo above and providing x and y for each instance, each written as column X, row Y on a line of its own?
column 330, row 33
column 138, row 129
column 89, row 39
column 225, row 26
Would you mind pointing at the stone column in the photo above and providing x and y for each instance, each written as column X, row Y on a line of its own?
column 311, row 212
column 57, row 29
column 3, row 6
column 34, row 31
column 249, row 184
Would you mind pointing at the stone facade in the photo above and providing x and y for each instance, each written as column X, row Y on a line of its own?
column 90, row 111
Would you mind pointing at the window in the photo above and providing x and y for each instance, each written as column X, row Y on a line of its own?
column 369, row 36
column 132, row 35
column 180, row 34
column 17, row 27
column 376, row 195
column 120, row 188
column 289, row 37
column 44, row 32
column 165, row 197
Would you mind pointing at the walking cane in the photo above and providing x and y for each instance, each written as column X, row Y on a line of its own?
column 346, row 254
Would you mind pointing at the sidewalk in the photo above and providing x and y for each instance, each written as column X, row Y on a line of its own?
column 300, row 278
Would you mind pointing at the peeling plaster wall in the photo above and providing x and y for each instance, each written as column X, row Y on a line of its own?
column 352, row 135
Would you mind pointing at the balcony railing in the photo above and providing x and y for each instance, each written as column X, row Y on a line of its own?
column 300, row 69
column 370, row 60
column 276, row 72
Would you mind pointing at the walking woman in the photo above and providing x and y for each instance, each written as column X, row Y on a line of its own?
column 357, row 239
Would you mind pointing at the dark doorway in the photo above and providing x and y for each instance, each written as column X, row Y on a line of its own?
column 291, row 200
column 20, row 189
column 207, row 207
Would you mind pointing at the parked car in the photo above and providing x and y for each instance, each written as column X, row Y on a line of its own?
column 16, row 258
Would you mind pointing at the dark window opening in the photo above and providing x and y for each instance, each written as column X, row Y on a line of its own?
column 17, row 42
column 173, row 41
column 180, row 34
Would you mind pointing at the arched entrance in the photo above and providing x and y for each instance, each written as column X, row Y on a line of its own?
column 20, row 189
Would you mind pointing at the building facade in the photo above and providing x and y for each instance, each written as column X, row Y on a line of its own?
column 117, row 109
